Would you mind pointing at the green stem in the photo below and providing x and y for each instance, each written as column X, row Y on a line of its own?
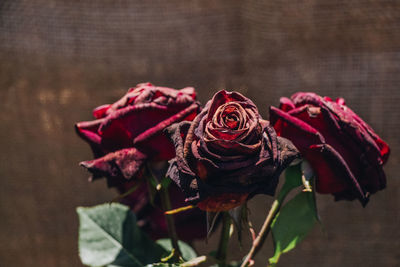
column 224, row 239
column 262, row 235
column 166, row 205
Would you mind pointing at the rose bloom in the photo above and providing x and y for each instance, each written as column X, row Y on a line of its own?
column 227, row 154
column 128, row 134
column 346, row 155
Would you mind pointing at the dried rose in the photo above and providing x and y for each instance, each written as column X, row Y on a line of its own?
column 344, row 152
column 227, row 154
column 129, row 132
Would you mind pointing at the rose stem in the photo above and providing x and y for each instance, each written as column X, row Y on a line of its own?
column 224, row 239
column 166, row 205
column 262, row 235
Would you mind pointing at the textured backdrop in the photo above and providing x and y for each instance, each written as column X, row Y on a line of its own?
column 59, row 59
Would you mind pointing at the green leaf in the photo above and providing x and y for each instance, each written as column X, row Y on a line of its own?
column 187, row 251
column 292, row 178
column 165, row 182
column 109, row 236
column 292, row 223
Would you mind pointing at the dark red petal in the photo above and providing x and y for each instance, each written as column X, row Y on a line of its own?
column 340, row 101
column 286, row 104
column 232, row 124
column 378, row 144
column 223, row 202
column 179, row 170
column 360, row 132
column 155, row 143
column 384, row 148
column 160, row 145
column 101, row 111
column 223, row 97
column 88, row 131
column 303, row 98
column 327, row 125
column 126, row 163
column 120, row 128
column 196, row 125
column 177, row 133
column 333, row 173
column 299, row 132
column 225, row 134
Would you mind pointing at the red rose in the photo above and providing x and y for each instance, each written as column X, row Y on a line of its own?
column 227, row 154
column 129, row 132
column 344, row 152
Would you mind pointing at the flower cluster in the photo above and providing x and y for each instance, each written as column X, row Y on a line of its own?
column 224, row 154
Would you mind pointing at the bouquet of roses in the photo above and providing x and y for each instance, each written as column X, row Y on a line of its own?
column 181, row 169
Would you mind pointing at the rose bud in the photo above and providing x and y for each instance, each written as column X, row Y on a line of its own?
column 346, row 155
column 227, row 154
column 129, row 132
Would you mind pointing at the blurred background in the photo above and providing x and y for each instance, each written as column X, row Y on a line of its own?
column 60, row 59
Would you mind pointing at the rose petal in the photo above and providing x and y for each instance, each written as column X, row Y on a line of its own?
column 222, row 202
column 160, row 145
column 286, row 104
column 179, row 170
column 124, row 163
column 334, row 175
column 293, row 128
column 101, row 111
column 120, row 128
column 88, row 131
column 363, row 133
column 223, row 97
column 340, row 101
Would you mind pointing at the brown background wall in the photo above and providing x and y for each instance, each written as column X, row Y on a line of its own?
column 59, row 59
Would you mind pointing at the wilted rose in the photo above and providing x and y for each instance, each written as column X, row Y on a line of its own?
column 227, row 154
column 129, row 132
column 344, row 152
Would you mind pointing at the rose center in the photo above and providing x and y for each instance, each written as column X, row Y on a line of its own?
column 232, row 121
